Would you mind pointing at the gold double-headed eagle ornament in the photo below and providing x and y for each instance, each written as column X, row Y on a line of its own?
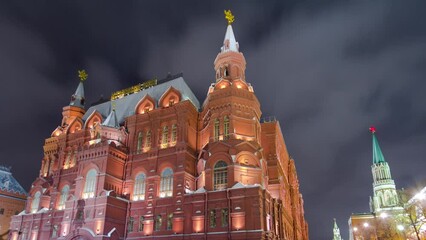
column 229, row 16
column 82, row 75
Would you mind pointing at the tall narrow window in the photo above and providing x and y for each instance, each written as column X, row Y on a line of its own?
column 170, row 221
column 64, row 195
column 139, row 191
column 67, row 161
column 225, row 216
column 165, row 137
column 220, row 176
column 148, row 140
column 139, row 146
column 158, row 222
column 73, row 159
column 212, row 218
column 174, row 133
column 141, row 224
column 166, row 184
column 90, row 184
column 35, row 203
column 55, row 231
column 130, row 224
column 226, row 127
column 216, row 130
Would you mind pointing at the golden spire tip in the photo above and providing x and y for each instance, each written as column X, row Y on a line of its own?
column 229, row 16
column 82, row 75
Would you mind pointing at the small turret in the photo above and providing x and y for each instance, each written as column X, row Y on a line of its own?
column 111, row 120
column 230, row 63
column 336, row 232
column 74, row 112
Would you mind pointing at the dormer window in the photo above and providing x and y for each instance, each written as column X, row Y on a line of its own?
column 225, row 72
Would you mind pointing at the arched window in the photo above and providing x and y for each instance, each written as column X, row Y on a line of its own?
column 158, row 222
column 90, row 184
column 216, row 130
column 174, row 133
column 165, row 137
column 64, row 195
column 166, row 185
column 170, row 221
column 220, row 176
column 148, row 139
column 36, row 202
column 130, row 224
column 226, row 127
column 139, row 191
column 139, row 146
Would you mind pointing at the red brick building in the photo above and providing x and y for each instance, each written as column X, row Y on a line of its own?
column 12, row 199
column 154, row 163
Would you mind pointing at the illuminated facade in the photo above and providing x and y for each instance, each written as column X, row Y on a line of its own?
column 152, row 162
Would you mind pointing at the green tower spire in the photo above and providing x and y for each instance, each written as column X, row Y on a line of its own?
column 377, row 152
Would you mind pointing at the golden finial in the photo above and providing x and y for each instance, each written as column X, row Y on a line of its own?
column 229, row 16
column 82, row 75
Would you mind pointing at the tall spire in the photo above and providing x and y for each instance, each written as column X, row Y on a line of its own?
column 230, row 63
column 385, row 196
column 377, row 152
column 229, row 42
column 77, row 99
column 336, row 232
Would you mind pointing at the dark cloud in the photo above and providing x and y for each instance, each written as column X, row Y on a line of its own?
column 326, row 69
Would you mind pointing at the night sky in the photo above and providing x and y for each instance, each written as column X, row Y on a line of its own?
column 326, row 69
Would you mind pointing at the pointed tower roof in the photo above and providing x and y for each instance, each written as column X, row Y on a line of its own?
column 111, row 120
column 377, row 152
column 336, row 231
column 77, row 99
column 229, row 42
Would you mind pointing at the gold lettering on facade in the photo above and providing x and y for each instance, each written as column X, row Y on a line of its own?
column 134, row 89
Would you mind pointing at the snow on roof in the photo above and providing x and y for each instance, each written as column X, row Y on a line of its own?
column 125, row 106
column 8, row 183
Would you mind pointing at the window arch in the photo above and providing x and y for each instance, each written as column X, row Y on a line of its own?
column 170, row 221
column 165, row 137
column 166, row 184
column 220, row 175
column 158, row 223
column 139, row 190
column 148, row 140
column 216, row 130
column 174, row 134
column 226, row 127
column 90, row 184
column 36, row 202
column 64, row 195
column 139, row 146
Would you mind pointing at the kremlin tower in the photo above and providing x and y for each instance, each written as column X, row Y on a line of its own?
column 152, row 162
column 385, row 205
